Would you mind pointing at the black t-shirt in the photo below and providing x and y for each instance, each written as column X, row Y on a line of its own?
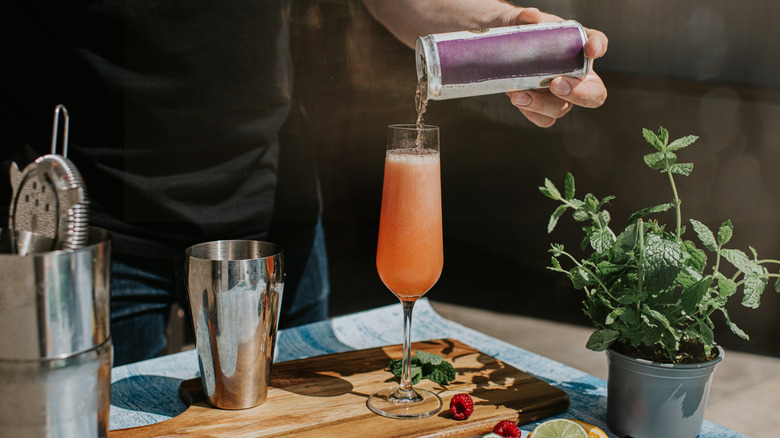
column 175, row 109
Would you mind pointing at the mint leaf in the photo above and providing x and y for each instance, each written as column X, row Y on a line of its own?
column 734, row 329
column 604, row 218
column 605, row 268
column 555, row 216
column 645, row 211
column 568, row 187
column 632, row 297
column 697, row 258
column 663, row 135
column 396, row 367
column 602, row 339
column 425, row 358
column 706, row 334
column 581, row 214
column 591, row 203
column 443, row 373
column 601, row 240
column 682, row 142
column 614, row 315
column 653, row 139
column 725, row 232
column 688, row 277
column 624, row 244
column 660, row 160
column 663, row 260
column 741, row 261
column 629, row 316
column 605, row 200
column 417, row 374
column 726, row 288
column 581, row 278
column 681, row 168
column 705, row 235
column 652, row 333
column 692, row 296
column 550, row 190
column 658, row 316
column 754, row 287
column 556, row 265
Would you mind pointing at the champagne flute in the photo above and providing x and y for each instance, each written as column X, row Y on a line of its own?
column 410, row 253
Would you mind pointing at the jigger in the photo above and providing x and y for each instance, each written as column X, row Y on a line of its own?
column 235, row 291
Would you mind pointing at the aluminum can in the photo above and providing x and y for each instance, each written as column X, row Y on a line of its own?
column 497, row 60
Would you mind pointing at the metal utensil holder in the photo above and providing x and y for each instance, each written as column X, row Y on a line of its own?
column 55, row 343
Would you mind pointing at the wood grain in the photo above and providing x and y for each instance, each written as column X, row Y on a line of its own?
column 325, row 396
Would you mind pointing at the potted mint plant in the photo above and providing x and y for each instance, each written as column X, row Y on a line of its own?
column 651, row 292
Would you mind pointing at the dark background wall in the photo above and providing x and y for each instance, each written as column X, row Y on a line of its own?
column 706, row 67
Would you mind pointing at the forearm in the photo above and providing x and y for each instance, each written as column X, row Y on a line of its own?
column 409, row 19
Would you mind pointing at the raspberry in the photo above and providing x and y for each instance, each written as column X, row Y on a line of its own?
column 507, row 429
column 461, row 406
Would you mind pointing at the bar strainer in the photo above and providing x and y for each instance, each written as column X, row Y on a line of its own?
column 49, row 201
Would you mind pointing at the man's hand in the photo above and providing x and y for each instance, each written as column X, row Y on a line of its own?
column 408, row 19
column 543, row 107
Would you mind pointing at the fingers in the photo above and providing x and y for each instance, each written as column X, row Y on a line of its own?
column 544, row 107
column 588, row 92
column 597, row 43
column 541, row 107
column 527, row 16
column 539, row 120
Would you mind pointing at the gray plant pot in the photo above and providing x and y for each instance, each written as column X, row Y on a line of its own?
column 651, row 399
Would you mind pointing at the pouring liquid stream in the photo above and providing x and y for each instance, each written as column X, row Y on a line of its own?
column 421, row 105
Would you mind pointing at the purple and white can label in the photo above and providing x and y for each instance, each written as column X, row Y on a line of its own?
column 497, row 60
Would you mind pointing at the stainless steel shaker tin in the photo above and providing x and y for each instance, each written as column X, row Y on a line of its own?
column 55, row 343
column 497, row 60
column 57, row 398
column 55, row 304
column 235, row 292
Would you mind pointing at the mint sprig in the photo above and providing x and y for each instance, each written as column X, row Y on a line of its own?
column 426, row 366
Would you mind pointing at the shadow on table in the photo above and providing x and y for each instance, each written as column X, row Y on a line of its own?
column 588, row 402
column 148, row 393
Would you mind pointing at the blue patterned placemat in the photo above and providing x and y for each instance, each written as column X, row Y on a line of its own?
column 147, row 392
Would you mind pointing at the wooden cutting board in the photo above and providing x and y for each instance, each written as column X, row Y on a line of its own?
column 325, row 396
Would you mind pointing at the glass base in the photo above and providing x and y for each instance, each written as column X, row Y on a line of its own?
column 388, row 403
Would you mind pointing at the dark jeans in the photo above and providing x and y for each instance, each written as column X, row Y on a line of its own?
column 143, row 289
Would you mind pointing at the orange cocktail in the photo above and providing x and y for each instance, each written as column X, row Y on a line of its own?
column 409, row 254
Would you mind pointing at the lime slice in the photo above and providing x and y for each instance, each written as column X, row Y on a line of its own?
column 593, row 431
column 559, row 428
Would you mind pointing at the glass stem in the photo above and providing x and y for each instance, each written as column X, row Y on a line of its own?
column 405, row 390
